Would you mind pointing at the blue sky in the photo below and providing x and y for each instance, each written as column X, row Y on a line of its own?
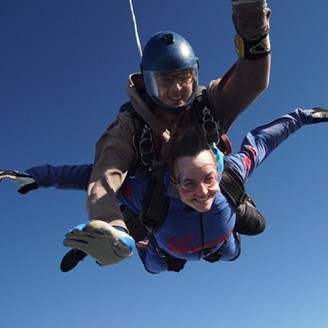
column 64, row 66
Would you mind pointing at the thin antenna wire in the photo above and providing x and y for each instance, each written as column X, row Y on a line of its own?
column 136, row 29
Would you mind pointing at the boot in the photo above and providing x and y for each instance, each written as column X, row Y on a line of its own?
column 249, row 221
column 72, row 259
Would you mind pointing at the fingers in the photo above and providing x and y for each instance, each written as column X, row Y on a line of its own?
column 5, row 174
column 75, row 243
column 18, row 177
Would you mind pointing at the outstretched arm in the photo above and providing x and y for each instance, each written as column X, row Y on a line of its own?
column 74, row 177
column 263, row 140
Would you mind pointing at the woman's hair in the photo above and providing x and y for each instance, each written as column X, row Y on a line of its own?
column 187, row 142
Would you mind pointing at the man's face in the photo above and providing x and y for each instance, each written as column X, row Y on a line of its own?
column 175, row 88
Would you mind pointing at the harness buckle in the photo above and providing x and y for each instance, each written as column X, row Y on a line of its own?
column 210, row 127
column 146, row 147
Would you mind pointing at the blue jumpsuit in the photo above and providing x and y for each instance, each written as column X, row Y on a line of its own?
column 187, row 234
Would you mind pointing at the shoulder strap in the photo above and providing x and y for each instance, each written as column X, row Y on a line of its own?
column 145, row 152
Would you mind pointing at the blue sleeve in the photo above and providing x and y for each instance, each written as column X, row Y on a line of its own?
column 259, row 143
column 75, row 177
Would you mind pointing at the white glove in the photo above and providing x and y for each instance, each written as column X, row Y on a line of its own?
column 26, row 182
column 106, row 244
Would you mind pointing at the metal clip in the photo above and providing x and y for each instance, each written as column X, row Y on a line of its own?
column 146, row 146
column 210, row 127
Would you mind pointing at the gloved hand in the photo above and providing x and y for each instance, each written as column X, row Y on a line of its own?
column 319, row 115
column 252, row 23
column 26, row 182
column 105, row 243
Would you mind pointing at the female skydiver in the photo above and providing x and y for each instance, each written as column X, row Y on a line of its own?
column 200, row 220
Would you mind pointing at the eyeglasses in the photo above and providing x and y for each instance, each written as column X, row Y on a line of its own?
column 166, row 80
column 191, row 185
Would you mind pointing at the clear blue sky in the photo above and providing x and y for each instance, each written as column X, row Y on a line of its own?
column 64, row 66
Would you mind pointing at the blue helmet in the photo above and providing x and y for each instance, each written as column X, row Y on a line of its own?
column 168, row 52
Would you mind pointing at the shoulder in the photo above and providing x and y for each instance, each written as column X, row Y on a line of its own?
column 120, row 131
column 124, row 121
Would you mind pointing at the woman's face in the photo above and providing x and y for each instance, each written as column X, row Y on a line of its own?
column 198, row 180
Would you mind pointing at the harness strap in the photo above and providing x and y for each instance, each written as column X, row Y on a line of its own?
column 155, row 204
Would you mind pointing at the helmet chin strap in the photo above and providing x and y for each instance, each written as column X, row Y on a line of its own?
column 135, row 29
